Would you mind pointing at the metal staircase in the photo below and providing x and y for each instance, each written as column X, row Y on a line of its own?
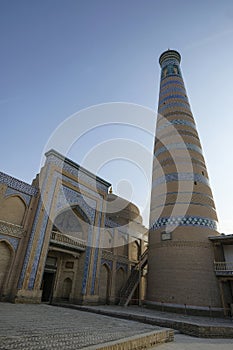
column 132, row 282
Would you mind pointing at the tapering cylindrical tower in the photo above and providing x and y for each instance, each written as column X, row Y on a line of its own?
column 183, row 215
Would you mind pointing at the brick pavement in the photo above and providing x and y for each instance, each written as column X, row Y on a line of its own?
column 42, row 326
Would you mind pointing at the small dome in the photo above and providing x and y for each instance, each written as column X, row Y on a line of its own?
column 121, row 210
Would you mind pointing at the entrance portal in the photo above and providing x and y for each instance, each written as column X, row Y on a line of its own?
column 47, row 286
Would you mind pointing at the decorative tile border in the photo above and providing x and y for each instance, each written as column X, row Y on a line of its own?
column 181, row 133
column 173, row 89
column 183, row 244
column 178, row 146
column 176, row 122
column 176, row 115
column 179, row 160
column 11, row 229
column 194, row 221
column 185, row 203
column 170, row 82
column 96, row 253
column 120, row 265
column 74, row 169
column 180, row 177
column 172, row 105
column 173, row 96
column 13, row 241
column 169, row 61
column 10, row 191
column 32, row 234
column 18, row 185
column 109, row 263
column 71, row 197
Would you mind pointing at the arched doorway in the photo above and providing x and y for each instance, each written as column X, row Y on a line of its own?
column 104, row 284
column 5, row 261
column 66, row 255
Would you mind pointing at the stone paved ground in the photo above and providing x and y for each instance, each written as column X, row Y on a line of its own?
column 36, row 327
column 136, row 310
column 184, row 342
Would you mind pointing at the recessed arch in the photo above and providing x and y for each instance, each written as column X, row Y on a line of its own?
column 104, row 283
column 120, row 280
column 6, row 257
column 135, row 250
column 72, row 221
column 13, row 209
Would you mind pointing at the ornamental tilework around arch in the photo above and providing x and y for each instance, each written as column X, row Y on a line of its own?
column 121, row 265
column 68, row 197
column 11, row 191
column 107, row 262
column 12, row 241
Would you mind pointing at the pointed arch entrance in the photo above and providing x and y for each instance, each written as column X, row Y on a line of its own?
column 65, row 258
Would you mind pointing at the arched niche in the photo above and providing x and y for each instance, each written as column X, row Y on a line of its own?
column 13, row 209
column 104, row 284
column 120, row 280
column 122, row 245
column 6, row 256
column 135, row 250
column 72, row 222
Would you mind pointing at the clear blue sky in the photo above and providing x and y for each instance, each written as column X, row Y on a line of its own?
column 58, row 57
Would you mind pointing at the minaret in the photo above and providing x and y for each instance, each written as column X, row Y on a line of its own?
column 183, row 214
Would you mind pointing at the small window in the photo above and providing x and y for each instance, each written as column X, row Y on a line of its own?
column 195, row 182
column 69, row 264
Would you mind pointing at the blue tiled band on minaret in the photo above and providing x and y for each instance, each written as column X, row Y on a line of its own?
column 178, row 146
column 176, row 122
column 185, row 221
column 175, row 96
column 174, row 105
column 180, row 177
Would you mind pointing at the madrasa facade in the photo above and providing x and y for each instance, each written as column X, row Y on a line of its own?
column 67, row 238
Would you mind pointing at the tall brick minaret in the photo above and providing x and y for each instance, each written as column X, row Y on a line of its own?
column 183, row 215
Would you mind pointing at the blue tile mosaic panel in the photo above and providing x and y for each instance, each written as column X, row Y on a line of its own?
column 195, row 221
column 18, row 185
